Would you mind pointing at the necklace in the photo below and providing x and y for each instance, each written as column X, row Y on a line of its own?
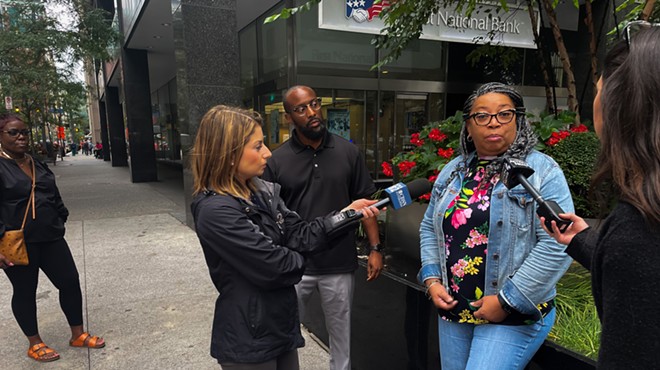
column 22, row 162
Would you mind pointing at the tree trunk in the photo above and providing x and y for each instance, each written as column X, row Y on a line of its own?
column 648, row 9
column 565, row 61
column 544, row 67
column 592, row 45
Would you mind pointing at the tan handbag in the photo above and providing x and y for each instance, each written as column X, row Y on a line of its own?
column 12, row 243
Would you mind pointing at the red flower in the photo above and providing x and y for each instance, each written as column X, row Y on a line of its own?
column 446, row 153
column 580, row 128
column 437, row 135
column 432, row 178
column 387, row 169
column 556, row 137
column 405, row 167
column 425, row 197
column 414, row 139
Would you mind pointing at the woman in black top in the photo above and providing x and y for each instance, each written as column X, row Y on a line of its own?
column 44, row 236
column 255, row 247
column 623, row 254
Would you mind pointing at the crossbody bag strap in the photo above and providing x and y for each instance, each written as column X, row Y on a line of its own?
column 31, row 200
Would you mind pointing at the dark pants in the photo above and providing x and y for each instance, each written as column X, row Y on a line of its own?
column 55, row 259
column 285, row 361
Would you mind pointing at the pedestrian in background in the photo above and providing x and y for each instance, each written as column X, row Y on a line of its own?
column 318, row 170
column 44, row 236
column 255, row 247
column 623, row 254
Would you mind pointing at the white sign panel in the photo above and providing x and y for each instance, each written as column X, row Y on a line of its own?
column 9, row 105
column 486, row 24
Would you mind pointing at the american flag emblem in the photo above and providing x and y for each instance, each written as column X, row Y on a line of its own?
column 364, row 10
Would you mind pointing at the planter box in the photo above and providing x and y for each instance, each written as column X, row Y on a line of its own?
column 394, row 326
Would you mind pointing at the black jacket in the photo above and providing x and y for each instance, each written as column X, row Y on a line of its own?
column 15, row 186
column 255, row 257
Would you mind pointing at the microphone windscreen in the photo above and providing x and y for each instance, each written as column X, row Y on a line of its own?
column 418, row 187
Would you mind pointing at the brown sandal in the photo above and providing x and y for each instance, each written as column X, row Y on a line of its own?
column 42, row 353
column 88, row 341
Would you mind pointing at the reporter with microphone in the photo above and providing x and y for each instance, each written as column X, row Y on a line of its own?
column 622, row 253
column 255, row 247
column 487, row 264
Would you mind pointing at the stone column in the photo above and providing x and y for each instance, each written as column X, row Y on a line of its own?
column 103, row 121
column 137, row 110
column 207, row 58
column 116, row 139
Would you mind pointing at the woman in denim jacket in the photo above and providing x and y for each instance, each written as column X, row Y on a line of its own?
column 488, row 265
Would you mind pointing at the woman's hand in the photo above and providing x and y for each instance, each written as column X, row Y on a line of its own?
column 578, row 224
column 489, row 308
column 4, row 262
column 364, row 206
column 439, row 296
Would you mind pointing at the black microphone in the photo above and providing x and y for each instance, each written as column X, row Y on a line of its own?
column 516, row 171
column 398, row 196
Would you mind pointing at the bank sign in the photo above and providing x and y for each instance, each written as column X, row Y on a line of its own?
column 486, row 24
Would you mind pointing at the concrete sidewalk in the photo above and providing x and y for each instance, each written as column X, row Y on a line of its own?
column 145, row 284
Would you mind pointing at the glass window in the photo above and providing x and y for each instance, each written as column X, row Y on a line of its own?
column 370, row 143
column 503, row 64
column 421, row 60
column 332, row 53
column 166, row 135
column 275, row 127
column 273, row 47
column 247, row 38
column 386, row 127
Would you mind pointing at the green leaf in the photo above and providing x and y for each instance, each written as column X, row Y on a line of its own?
column 288, row 12
column 478, row 293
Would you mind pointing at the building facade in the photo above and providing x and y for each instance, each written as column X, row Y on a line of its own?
column 176, row 59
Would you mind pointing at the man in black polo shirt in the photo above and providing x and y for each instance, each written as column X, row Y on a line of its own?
column 318, row 172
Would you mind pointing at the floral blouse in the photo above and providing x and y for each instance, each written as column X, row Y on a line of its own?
column 466, row 227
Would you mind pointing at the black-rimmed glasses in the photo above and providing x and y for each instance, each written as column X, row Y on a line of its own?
column 314, row 104
column 15, row 132
column 503, row 117
column 632, row 28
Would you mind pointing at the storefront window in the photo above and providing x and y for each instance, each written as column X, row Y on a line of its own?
column 163, row 113
column 421, row 60
column 249, row 60
column 275, row 127
column 273, row 52
column 332, row 53
column 402, row 114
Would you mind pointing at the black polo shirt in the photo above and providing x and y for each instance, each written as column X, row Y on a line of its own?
column 317, row 182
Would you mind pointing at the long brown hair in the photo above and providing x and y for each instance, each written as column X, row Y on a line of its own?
column 221, row 137
column 630, row 154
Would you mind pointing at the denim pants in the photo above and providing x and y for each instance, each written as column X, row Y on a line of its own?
column 491, row 346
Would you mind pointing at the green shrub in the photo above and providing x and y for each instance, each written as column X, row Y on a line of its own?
column 577, row 326
column 576, row 155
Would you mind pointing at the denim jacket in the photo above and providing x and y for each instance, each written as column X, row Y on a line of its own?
column 523, row 262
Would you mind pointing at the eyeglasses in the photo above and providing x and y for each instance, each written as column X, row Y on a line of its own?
column 301, row 109
column 632, row 28
column 15, row 132
column 503, row 117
